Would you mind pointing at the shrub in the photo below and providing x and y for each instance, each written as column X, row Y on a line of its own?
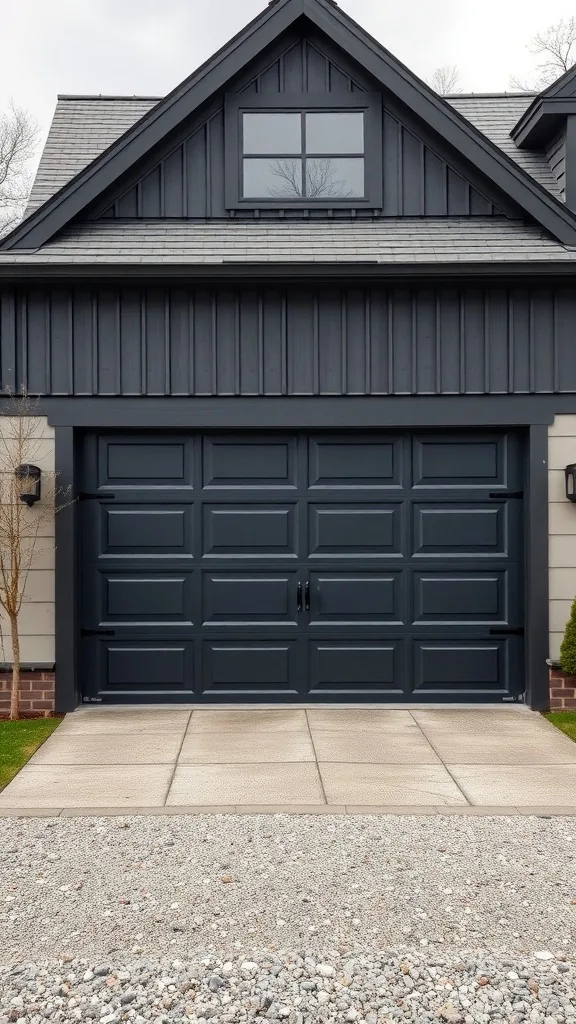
column 568, row 648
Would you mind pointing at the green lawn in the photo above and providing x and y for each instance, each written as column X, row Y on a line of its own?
column 564, row 720
column 19, row 740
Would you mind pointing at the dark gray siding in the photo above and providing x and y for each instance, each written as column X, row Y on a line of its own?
column 274, row 341
column 188, row 178
column 556, row 156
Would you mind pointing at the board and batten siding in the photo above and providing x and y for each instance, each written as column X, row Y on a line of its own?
column 289, row 341
column 37, row 614
column 186, row 177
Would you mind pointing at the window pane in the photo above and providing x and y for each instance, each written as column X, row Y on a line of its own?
column 335, row 133
column 272, row 179
column 272, row 133
column 335, row 178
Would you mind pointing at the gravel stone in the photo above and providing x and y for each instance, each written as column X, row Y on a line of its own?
column 374, row 920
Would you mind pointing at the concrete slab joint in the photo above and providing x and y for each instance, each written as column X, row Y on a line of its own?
column 298, row 761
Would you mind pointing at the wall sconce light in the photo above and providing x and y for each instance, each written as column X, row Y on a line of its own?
column 570, row 473
column 28, row 483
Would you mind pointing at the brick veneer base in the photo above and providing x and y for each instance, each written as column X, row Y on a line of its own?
column 36, row 694
column 562, row 689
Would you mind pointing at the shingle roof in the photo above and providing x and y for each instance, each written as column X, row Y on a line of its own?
column 393, row 241
column 495, row 116
column 82, row 128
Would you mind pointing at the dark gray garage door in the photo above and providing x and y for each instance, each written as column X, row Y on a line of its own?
column 319, row 566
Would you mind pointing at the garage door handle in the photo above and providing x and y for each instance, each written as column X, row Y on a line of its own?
column 513, row 631
column 504, row 495
column 307, row 597
column 97, row 632
column 299, row 597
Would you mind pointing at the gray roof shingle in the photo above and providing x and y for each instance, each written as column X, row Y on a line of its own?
column 82, row 128
column 393, row 241
column 495, row 116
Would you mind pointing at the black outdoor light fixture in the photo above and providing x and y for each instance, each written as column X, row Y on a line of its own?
column 28, row 481
column 570, row 472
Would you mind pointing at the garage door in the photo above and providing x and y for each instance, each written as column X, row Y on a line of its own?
column 278, row 567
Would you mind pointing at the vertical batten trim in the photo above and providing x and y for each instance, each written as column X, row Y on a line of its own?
column 214, row 344
column 284, row 346
column 237, row 346
column 316, row 345
column 344, row 343
column 462, row 329
column 70, row 343
column 191, row 346
column 555, row 347
column 511, row 350
column 167, row 344
column 118, row 353
column 144, row 342
column 390, row 314
column 94, row 341
column 486, row 343
column 367, row 341
column 413, row 343
column 438, row 344
column 260, row 343
column 532, row 353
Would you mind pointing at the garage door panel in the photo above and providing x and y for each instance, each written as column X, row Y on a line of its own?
column 453, row 531
column 153, row 462
column 150, row 530
column 147, row 599
column 338, row 462
column 136, row 665
column 251, row 667
column 360, row 531
column 356, row 667
column 459, row 665
column 452, row 598
column 249, row 599
column 463, row 461
column 250, row 531
column 353, row 599
column 260, row 462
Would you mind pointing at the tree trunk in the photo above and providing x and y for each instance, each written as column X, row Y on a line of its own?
column 15, row 692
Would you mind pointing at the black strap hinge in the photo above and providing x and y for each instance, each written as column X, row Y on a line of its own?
column 102, row 495
column 511, row 631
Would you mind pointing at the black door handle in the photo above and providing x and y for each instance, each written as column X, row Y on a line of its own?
column 307, row 597
column 97, row 632
column 299, row 597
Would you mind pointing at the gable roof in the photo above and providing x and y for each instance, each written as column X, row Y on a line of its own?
column 165, row 116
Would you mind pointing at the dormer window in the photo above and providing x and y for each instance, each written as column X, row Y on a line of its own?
column 303, row 154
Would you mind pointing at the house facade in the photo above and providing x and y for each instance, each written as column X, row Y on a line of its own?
column 304, row 334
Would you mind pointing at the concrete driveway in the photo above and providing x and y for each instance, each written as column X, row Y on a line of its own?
column 166, row 760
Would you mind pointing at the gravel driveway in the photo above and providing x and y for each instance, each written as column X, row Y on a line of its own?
column 296, row 918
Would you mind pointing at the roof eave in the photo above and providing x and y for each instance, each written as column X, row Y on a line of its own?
column 304, row 271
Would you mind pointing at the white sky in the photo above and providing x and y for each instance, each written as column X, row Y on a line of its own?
column 146, row 47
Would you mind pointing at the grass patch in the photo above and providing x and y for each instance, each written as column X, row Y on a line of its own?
column 19, row 740
column 565, row 721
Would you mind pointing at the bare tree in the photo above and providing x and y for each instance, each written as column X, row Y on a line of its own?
column 445, row 79
column 22, row 524
column 18, row 137
column 556, row 45
column 321, row 180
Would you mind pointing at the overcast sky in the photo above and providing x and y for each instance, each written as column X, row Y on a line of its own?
column 146, row 47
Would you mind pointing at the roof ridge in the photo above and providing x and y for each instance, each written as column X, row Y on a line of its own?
column 103, row 96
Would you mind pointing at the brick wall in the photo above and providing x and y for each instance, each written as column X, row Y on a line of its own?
column 36, row 694
column 562, row 690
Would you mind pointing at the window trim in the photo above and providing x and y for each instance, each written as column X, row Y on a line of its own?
column 370, row 104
